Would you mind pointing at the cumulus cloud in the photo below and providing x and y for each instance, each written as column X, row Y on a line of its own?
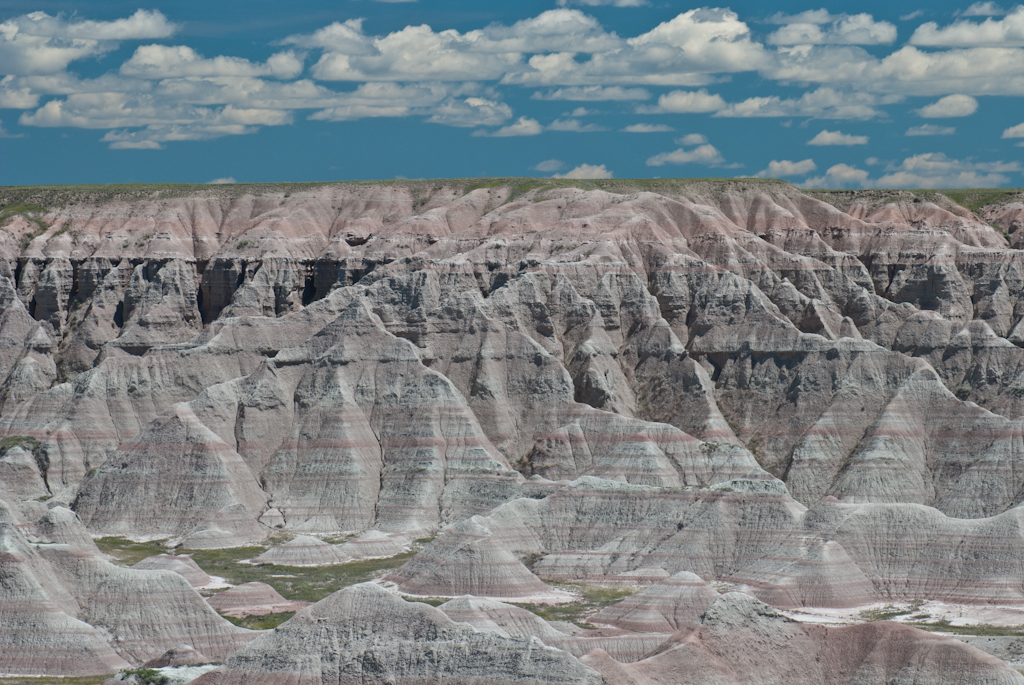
column 38, row 43
column 691, row 139
column 956, row 105
column 819, row 27
column 907, row 71
column 684, row 51
column 573, row 126
column 983, row 9
column 175, row 61
column 686, row 102
column 593, row 94
column 837, row 138
column 991, row 32
column 823, row 103
column 16, row 95
column 1014, row 132
column 587, row 171
column 549, row 165
column 523, row 126
column 930, row 130
column 839, row 176
column 470, row 112
column 928, row 170
column 647, row 128
column 703, row 154
column 784, row 167
column 419, row 52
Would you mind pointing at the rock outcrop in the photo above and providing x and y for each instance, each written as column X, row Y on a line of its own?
column 816, row 397
column 366, row 634
column 253, row 599
column 739, row 640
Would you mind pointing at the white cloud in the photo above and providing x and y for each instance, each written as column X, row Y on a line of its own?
column 175, row 61
column 587, row 171
column 523, row 126
column 950, row 106
column 913, row 15
column 686, row 102
column 823, row 103
column 581, row 112
column 684, row 51
column 935, row 170
column 470, row 112
column 983, row 9
column 784, row 167
column 691, row 139
column 704, row 154
column 38, row 43
column 227, row 180
column 857, row 29
column 14, row 95
column 837, row 138
column 1014, row 132
column 908, row 71
column 839, row 176
column 991, row 32
column 394, row 100
column 647, row 128
column 418, row 52
column 549, row 165
column 573, row 126
column 593, row 94
column 930, row 130
column 929, row 170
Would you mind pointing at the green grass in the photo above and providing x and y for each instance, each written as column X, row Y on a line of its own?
column 980, row 629
column 128, row 553
column 25, row 442
column 591, row 599
column 264, row 622
column 307, row 584
column 890, row 611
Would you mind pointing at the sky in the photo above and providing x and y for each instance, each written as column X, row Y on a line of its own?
column 849, row 95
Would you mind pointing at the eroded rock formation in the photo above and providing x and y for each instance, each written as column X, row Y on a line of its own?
column 813, row 396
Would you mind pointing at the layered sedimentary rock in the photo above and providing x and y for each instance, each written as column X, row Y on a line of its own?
column 814, row 396
column 182, row 565
column 740, row 640
column 66, row 611
column 671, row 605
column 253, row 599
column 511, row 621
column 366, row 634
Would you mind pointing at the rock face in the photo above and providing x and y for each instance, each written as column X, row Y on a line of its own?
column 739, row 640
column 669, row 606
column 253, row 599
column 65, row 611
column 182, row 565
column 816, row 397
column 368, row 635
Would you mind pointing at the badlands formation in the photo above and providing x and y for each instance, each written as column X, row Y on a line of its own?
column 741, row 401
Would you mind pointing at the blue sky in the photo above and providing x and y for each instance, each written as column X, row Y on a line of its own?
column 847, row 95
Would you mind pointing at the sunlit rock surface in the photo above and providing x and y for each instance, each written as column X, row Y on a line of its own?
column 814, row 397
